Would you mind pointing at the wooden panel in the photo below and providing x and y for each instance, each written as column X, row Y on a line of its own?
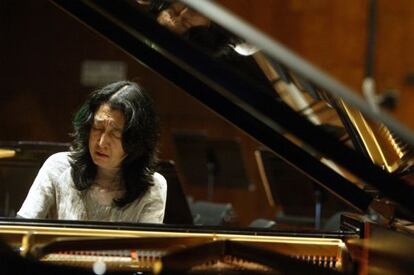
column 394, row 62
column 333, row 36
column 330, row 34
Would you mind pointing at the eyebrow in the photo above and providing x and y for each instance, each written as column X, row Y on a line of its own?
column 101, row 120
column 118, row 129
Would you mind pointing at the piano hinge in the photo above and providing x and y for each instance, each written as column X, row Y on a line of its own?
column 382, row 211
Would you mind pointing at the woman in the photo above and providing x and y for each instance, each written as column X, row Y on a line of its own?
column 211, row 38
column 109, row 173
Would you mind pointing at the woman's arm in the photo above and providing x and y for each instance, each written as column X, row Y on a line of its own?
column 154, row 209
column 41, row 195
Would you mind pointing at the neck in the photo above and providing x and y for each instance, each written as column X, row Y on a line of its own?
column 108, row 177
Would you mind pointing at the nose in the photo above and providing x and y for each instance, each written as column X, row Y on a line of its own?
column 183, row 11
column 103, row 140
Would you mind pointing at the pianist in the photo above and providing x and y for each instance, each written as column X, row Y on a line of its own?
column 195, row 27
column 211, row 38
column 108, row 175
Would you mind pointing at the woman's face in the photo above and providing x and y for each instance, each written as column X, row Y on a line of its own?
column 105, row 137
column 178, row 18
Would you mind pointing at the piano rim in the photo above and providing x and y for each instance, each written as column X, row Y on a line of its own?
column 30, row 236
column 26, row 225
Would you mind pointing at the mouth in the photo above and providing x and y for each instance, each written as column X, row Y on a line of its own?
column 101, row 155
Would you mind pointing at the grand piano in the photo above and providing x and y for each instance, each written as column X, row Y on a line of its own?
column 362, row 156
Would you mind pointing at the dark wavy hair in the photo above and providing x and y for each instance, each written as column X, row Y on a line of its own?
column 139, row 138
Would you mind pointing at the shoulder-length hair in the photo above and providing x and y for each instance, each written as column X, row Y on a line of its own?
column 139, row 138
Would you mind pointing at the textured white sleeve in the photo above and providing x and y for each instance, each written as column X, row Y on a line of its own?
column 41, row 195
column 155, row 200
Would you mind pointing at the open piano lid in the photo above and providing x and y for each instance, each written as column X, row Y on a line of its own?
column 252, row 106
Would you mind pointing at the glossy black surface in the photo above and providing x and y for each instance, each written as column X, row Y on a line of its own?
column 263, row 116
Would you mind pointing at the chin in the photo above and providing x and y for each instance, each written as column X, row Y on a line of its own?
column 99, row 162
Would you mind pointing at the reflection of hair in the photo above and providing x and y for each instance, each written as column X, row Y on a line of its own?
column 220, row 43
column 139, row 138
column 157, row 6
column 212, row 39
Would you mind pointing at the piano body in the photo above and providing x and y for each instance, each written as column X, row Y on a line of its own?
column 375, row 239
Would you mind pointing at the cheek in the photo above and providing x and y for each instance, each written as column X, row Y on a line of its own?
column 119, row 149
column 92, row 138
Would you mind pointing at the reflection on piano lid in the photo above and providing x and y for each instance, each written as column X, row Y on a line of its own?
column 382, row 146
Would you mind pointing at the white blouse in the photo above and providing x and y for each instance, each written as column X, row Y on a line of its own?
column 53, row 195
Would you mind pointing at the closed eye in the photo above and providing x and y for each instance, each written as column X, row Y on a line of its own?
column 117, row 134
column 98, row 128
